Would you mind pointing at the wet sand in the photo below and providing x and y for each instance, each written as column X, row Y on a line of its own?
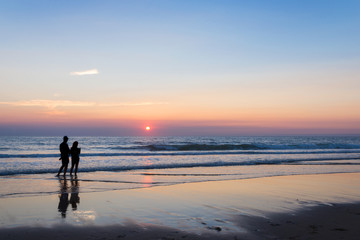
column 324, row 206
column 324, row 222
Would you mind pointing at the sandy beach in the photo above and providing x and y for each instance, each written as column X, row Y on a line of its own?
column 322, row 206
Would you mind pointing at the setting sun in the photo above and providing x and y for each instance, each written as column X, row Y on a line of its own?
column 147, row 128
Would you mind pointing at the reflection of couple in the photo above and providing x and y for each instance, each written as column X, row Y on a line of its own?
column 64, row 195
column 65, row 152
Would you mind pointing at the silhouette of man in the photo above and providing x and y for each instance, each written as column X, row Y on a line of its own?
column 64, row 151
column 63, row 197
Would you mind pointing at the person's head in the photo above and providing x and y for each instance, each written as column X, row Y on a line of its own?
column 65, row 138
column 75, row 144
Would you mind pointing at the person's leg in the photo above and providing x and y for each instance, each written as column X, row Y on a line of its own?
column 76, row 167
column 66, row 163
column 72, row 167
column 61, row 168
column 65, row 169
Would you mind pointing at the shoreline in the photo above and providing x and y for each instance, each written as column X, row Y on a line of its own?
column 101, row 181
column 261, row 208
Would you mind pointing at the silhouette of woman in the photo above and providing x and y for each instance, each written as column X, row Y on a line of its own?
column 74, row 198
column 75, row 157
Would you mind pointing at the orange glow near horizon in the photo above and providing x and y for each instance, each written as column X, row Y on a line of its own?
column 186, row 117
column 176, row 115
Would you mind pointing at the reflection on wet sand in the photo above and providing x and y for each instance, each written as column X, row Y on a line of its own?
column 74, row 198
column 147, row 181
column 64, row 195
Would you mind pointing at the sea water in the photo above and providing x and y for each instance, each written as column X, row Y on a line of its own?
column 29, row 164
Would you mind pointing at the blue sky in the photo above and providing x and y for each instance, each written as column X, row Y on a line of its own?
column 191, row 55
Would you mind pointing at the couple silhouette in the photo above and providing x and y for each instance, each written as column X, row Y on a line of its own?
column 65, row 153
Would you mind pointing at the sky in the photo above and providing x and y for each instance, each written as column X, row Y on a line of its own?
column 185, row 68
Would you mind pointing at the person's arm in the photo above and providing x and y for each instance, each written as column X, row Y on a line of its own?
column 60, row 151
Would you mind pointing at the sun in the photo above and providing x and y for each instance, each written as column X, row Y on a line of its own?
column 147, row 128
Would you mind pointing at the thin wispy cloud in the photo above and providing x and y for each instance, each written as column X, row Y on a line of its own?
column 51, row 106
column 86, row 72
column 130, row 104
column 49, row 103
column 66, row 103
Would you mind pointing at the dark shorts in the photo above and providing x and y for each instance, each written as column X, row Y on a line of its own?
column 75, row 160
column 65, row 160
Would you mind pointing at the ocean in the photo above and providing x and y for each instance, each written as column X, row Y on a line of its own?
column 29, row 164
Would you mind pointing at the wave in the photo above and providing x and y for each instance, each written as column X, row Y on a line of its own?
column 302, row 161
column 203, row 147
column 187, row 153
column 252, row 146
column 140, row 154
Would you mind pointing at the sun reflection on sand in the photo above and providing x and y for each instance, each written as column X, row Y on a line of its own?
column 147, row 181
